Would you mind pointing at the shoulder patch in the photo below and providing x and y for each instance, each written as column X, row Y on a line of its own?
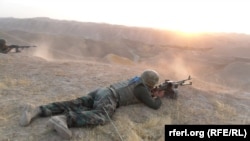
column 134, row 80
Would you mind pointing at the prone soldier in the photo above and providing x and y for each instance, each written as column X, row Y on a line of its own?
column 7, row 48
column 97, row 106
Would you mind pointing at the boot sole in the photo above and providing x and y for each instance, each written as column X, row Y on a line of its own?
column 26, row 117
column 62, row 131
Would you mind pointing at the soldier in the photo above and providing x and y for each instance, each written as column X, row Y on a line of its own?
column 97, row 106
column 7, row 48
column 2, row 43
column 3, row 47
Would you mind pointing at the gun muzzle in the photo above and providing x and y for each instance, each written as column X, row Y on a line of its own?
column 190, row 83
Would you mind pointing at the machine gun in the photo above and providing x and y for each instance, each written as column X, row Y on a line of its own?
column 170, row 87
column 16, row 47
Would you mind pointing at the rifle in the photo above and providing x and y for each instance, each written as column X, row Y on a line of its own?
column 10, row 47
column 170, row 87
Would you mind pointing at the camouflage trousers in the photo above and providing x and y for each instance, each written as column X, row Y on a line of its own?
column 91, row 109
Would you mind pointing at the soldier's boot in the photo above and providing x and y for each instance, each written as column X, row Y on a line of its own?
column 59, row 123
column 29, row 114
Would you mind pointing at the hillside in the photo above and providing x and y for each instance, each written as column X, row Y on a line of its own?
column 28, row 79
column 66, row 65
column 99, row 40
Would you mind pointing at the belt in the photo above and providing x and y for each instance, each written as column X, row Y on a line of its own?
column 115, row 95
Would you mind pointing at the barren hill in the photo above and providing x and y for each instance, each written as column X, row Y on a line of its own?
column 65, row 67
column 98, row 39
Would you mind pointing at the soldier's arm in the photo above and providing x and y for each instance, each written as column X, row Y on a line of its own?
column 142, row 94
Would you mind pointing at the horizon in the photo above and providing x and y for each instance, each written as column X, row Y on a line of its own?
column 194, row 17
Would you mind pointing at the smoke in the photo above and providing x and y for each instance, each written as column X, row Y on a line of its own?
column 51, row 52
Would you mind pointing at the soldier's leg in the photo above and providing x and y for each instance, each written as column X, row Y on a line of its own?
column 97, row 116
column 78, row 119
column 104, row 105
column 59, row 123
column 55, row 108
column 31, row 112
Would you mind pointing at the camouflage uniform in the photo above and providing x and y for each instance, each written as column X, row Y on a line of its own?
column 86, row 110
column 91, row 109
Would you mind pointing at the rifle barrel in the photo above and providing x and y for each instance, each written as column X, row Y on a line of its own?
column 16, row 46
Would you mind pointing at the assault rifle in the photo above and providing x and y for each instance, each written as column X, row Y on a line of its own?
column 170, row 87
column 16, row 47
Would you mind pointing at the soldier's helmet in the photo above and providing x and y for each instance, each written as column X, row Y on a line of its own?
column 2, row 42
column 150, row 77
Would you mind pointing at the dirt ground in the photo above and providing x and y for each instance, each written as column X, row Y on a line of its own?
column 29, row 79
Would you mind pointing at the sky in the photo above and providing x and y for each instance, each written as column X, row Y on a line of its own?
column 180, row 15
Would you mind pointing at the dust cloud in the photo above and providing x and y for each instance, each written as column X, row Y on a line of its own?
column 170, row 65
column 179, row 66
column 48, row 53
column 43, row 51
